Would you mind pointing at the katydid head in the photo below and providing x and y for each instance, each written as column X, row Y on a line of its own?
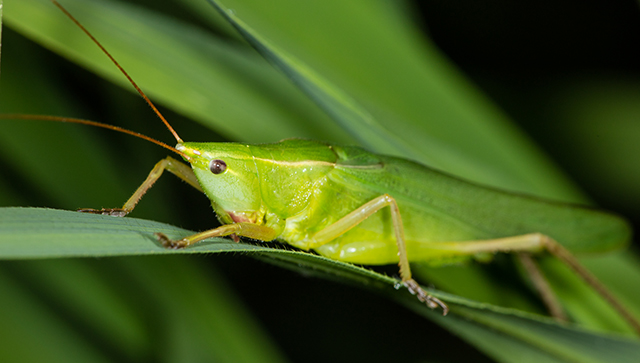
column 227, row 173
column 264, row 183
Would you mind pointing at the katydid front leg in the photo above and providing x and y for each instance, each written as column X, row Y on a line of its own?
column 357, row 216
column 170, row 164
column 185, row 173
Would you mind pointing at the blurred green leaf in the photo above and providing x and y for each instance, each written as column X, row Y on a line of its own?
column 226, row 87
column 32, row 333
column 393, row 91
column 204, row 320
column 142, row 309
column 90, row 300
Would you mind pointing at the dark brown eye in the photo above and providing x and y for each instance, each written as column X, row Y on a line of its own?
column 217, row 166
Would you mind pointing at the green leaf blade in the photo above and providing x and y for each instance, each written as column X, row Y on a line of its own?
column 49, row 233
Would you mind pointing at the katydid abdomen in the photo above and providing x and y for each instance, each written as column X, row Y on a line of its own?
column 437, row 208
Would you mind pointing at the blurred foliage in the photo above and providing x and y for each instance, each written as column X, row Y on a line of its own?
column 566, row 72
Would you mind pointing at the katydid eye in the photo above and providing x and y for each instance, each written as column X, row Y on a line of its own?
column 217, row 166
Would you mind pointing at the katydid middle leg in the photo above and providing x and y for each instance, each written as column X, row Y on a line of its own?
column 250, row 230
column 352, row 219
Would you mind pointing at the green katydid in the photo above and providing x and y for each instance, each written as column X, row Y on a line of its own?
column 352, row 205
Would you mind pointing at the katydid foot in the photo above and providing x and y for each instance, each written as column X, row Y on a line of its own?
column 423, row 296
column 115, row 212
column 171, row 244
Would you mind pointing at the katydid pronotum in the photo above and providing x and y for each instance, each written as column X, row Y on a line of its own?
column 351, row 205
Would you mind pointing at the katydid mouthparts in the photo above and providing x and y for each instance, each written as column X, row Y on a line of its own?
column 352, row 205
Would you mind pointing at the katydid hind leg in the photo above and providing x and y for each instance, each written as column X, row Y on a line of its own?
column 170, row 164
column 536, row 243
column 540, row 283
column 359, row 215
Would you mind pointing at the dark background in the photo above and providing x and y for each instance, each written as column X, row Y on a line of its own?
column 544, row 62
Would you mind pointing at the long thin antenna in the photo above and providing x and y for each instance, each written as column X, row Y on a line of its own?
column 153, row 107
column 97, row 124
